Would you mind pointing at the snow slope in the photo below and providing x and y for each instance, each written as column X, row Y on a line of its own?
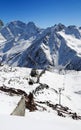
column 7, row 103
column 45, row 91
column 73, row 42
column 26, row 45
column 45, row 122
column 45, row 117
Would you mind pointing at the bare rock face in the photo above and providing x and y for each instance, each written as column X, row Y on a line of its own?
column 1, row 23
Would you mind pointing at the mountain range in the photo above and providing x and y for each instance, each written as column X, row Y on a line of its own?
column 26, row 45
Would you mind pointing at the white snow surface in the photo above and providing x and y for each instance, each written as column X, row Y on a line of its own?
column 73, row 42
column 2, row 39
column 38, row 121
column 18, row 78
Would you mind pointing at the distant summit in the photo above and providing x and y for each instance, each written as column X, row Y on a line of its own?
column 59, row 27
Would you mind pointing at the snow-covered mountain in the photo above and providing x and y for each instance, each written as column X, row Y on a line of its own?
column 27, row 45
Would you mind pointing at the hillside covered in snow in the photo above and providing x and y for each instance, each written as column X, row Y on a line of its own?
column 26, row 45
column 43, row 109
column 15, row 82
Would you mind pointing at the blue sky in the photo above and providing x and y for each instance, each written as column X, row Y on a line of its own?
column 43, row 12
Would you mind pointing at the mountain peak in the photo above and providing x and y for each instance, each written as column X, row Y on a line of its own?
column 31, row 23
column 17, row 24
column 59, row 27
column 31, row 28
